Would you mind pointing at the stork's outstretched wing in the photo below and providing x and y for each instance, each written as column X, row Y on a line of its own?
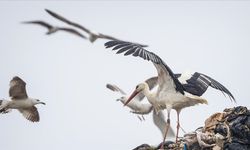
column 198, row 83
column 166, row 77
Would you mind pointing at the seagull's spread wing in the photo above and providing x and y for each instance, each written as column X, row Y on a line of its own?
column 198, row 83
column 31, row 114
column 166, row 78
column 93, row 35
column 103, row 36
column 63, row 19
column 115, row 88
column 73, row 31
column 41, row 23
column 17, row 89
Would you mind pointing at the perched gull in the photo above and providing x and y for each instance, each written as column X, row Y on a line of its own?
column 53, row 29
column 20, row 101
column 171, row 94
column 93, row 36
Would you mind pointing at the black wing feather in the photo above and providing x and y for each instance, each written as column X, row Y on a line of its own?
column 136, row 53
column 120, row 46
column 199, row 83
column 130, row 51
column 124, row 49
column 138, row 50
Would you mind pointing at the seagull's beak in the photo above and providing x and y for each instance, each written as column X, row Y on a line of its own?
column 131, row 97
column 43, row 103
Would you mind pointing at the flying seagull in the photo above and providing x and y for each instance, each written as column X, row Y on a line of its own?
column 20, row 101
column 93, row 36
column 171, row 94
column 53, row 29
column 138, row 107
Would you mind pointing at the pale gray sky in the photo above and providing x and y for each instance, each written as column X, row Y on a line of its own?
column 70, row 74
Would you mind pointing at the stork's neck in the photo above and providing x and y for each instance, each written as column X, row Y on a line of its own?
column 150, row 95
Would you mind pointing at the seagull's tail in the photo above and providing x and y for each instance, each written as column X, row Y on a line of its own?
column 3, row 109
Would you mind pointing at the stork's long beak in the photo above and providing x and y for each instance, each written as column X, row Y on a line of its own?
column 131, row 97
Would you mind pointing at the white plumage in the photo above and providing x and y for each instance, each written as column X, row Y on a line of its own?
column 20, row 101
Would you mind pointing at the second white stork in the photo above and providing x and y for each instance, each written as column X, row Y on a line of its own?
column 171, row 94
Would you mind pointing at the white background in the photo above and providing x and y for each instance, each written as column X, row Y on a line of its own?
column 70, row 74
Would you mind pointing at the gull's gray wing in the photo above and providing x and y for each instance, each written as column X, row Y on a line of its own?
column 17, row 89
column 30, row 114
column 115, row 88
column 39, row 22
column 63, row 19
column 73, row 31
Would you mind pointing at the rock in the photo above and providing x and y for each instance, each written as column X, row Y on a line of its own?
column 228, row 130
column 143, row 147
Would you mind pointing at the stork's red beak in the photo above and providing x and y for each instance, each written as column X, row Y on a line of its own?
column 131, row 97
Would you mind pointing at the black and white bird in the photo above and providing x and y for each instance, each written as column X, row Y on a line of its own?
column 171, row 93
column 20, row 101
column 138, row 107
column 54, row 29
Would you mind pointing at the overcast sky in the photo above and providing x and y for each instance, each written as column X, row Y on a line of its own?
column 70, row 74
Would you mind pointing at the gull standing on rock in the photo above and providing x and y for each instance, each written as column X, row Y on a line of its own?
column 20, row 101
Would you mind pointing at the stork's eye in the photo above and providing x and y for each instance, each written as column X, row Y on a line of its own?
column 137, row 87
column 38, row 100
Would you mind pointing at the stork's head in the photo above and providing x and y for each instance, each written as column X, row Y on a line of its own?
column 37, row 101
column 139, row 88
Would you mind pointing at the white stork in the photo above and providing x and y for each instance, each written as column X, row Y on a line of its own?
column 171, row 93
column 20, row 101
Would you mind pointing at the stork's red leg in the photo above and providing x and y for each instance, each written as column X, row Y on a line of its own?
column 178, row 126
